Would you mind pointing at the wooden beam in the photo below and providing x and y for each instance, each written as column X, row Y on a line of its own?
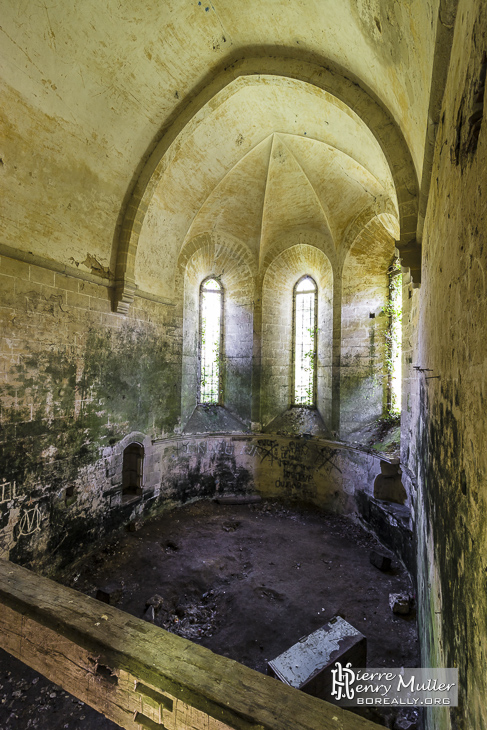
column 141, row 676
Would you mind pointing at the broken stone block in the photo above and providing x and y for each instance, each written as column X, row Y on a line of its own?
column 308, row 664
column 156, row 600
column 134, row 525
column 153, row 606
column 239, row 499
column 403, row 723
column 230, row 526
column 400, row 603
column 380, row 561
column 388, row 485
column 110, row 594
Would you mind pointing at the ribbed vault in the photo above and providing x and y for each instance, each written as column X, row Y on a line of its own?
column 269, row 157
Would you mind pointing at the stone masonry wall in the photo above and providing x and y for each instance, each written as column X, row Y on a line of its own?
column 363, row 376
column 225, row 259
column 447, row 404
column 277, row 329
column 311, row 470
column 79, row 383
column 75, row 381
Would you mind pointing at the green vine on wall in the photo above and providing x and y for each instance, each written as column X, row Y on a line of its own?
column 311, row 355
column 393, row 311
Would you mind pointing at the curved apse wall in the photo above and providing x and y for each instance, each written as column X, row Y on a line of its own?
column 227, row 260
column 277, row 315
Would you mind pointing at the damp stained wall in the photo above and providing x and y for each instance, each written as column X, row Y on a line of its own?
column 278, row 329
column 246, row 157
column 80, row 383
column 76, row 380
column 84, row 102
column 364, row 324
column 444, row 407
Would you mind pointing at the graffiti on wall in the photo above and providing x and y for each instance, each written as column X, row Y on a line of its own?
column 30, row 521
column 7, row 491
column 20, row 517
column 299, row 460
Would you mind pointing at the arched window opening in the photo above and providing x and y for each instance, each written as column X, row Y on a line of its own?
column 394, row 339
column 132, row 471
column 304, row 342
column 211, row 311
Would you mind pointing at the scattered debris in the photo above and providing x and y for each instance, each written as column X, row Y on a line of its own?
column 233, row 591
column 153, row 607
column 111, row 593
column 406, row 723
column 231, row 526
column 380, row 561
column 156, row 601
column 193, row 620
column 239, row 499
column 400, row 603
column 134, row 526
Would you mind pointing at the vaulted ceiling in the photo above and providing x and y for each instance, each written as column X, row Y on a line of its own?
column 161, row 121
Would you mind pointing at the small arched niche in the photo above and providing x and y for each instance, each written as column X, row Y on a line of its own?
column 132, row 471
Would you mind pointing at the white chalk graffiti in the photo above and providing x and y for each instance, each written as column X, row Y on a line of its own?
column 30, row 521
column 7, row 491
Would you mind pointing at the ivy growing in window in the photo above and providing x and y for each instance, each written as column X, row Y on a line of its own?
column 211, row 309
column 394, row 340
column 304, row 345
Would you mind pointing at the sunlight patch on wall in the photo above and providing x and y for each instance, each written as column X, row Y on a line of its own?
column 210, row 341
column 304, row 342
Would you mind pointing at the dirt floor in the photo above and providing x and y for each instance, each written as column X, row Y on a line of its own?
column 246, row 581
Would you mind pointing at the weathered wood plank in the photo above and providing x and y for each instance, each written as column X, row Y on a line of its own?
column 141, row 676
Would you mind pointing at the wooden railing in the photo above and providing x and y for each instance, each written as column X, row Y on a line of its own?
column 141, row 676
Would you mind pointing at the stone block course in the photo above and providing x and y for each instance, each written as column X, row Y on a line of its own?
column 41, row 276
column 12, row 267
column 69, row 283
column 80, row 301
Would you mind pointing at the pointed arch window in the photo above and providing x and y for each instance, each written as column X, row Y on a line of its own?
column 211, row 336
column 304, row 342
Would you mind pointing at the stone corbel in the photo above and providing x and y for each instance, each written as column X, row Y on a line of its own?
column 124, row 295
column 410, row 257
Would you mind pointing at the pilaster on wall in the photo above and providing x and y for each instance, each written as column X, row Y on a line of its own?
column 336, row 354
column 410, row 252
column 410, row 256
column 256, row 417
column 124, row 294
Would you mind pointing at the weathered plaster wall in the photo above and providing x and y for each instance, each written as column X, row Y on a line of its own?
column 310, row 470
column 447, row 403
column 229, row 261
column 277, row 328
column 94, row 85
column 75, row 380
column 79, row 384
column 365, row 294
